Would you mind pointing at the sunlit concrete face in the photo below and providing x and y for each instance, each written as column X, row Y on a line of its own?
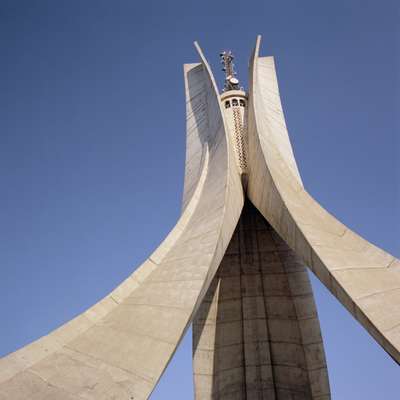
column 233, row 265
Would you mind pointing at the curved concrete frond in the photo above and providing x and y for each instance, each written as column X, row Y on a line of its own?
column 364, row 278
column 120, row 347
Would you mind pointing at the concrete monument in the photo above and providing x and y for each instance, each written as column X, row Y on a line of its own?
column 234, row 266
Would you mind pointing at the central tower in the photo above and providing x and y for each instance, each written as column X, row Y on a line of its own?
column 234, row 104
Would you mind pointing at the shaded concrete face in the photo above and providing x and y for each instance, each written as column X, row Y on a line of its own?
column 256, row 334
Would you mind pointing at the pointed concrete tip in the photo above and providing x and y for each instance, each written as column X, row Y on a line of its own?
column 197, row 46
column 199, row 51
column 258, row 44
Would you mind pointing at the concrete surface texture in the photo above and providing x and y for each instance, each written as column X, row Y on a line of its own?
column 236, row 272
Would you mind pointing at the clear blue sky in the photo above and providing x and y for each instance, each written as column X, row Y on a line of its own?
column 92, row 140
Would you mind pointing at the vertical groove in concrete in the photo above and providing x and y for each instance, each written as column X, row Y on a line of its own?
column 241, row 272
column 275, row 394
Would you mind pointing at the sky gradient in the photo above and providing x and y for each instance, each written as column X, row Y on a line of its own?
column 92, row 141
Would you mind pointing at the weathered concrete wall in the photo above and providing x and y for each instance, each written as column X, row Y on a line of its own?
column 256, row 335
column 364, row 278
